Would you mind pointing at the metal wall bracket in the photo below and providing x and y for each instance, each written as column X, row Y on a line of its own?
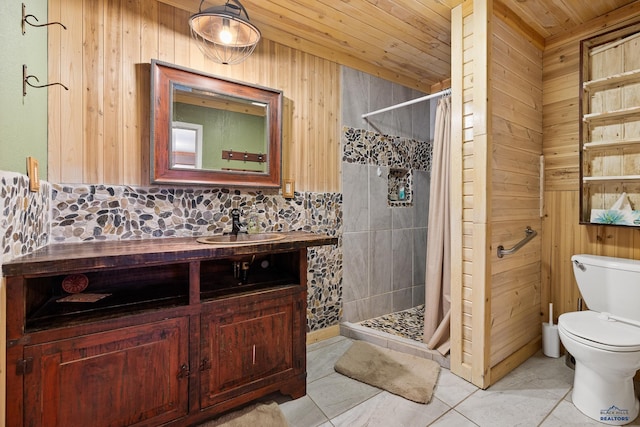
column 25, row 20
column 26, row 82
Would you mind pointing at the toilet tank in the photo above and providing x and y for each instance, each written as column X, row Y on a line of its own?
column 609, row 284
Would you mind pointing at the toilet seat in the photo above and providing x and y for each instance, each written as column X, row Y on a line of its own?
column 590, row 329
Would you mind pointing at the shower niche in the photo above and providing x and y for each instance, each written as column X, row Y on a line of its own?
column 400, row 187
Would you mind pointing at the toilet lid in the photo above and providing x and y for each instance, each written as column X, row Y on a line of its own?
column 602, row 333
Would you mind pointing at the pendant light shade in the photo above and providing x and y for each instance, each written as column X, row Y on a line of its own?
column 223, row 34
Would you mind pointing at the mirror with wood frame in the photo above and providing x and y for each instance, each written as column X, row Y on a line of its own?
column 211, row 130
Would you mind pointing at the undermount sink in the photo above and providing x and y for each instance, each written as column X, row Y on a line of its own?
column 240, row 239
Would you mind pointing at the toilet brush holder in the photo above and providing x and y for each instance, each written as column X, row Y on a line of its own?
column 550, row 340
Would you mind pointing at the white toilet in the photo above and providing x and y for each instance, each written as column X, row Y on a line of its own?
column 605, row 340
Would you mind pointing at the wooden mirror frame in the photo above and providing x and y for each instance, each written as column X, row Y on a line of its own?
column 163, row 77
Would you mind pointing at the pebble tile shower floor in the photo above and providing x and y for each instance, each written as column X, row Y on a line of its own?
column 406, row 324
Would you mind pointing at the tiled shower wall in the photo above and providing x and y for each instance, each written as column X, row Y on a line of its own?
column 77, row 213
column 384, row 246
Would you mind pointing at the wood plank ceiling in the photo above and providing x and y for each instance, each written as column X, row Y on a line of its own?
column 405, row 41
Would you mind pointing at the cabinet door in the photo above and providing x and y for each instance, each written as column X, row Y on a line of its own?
column 248, row 344
column 130, row 376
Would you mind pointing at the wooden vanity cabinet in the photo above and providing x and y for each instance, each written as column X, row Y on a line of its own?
column 128, row 376
column 256, row 342
column 179, row 337
column 121, row 360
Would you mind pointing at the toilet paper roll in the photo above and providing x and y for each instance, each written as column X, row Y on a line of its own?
column 550, row 340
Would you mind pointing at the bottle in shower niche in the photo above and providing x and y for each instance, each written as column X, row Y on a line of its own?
column 401, row 192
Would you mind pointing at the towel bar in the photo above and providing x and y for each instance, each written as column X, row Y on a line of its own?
column 529, row 234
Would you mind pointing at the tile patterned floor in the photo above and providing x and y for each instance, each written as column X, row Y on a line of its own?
column 537, row 393
column 407, row 323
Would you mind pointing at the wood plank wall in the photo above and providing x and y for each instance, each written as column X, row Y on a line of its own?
column 99, row 129
column 500, row 140
column 467, row 188
column 540, row 113
column 460, row 337
column 461, row 164
column 516, row 99
column 562, row 235
column 481, row 191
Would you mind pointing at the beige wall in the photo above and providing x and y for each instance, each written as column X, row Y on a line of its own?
column 99, row 129
column 562, row 235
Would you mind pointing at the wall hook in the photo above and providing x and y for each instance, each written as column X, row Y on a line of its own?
column 25, row 81
column 25, row 21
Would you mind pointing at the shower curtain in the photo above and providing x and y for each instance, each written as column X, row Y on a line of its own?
column 438, row 275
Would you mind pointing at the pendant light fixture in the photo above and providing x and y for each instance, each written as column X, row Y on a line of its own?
column 223, row 34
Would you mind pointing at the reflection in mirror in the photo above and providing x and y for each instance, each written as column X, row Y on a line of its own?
column 211, row 130
column 227, row 123
column 186, row 145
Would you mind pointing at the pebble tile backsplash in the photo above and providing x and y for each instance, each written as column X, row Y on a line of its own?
column 99, row 212
column 372, row 148
column 77, row 213
column 24, row 223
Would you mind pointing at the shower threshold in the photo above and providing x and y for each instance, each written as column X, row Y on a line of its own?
column 405, row 335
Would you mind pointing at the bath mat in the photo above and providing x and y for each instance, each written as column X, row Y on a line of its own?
column 260, row 414
column 409, row 376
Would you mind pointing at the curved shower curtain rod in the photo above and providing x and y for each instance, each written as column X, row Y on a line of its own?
column 413, row 101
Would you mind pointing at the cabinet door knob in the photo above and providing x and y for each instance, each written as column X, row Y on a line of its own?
column 184, row 371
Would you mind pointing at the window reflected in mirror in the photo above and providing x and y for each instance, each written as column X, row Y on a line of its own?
column 186, row 145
